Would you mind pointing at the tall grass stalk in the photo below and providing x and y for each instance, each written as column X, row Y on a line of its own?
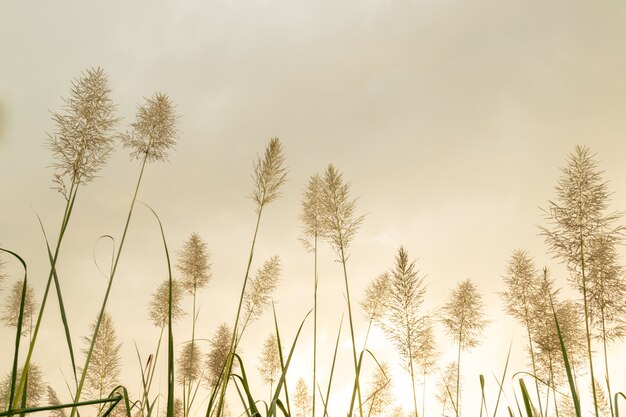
column 154, row 133
column 341, row 224
column 269, row 176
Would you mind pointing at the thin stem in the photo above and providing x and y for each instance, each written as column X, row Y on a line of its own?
column 314, row 321
column 108, row 290
column 356, row 366
column 229, row 360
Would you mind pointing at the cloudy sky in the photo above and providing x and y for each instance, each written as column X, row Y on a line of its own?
column 449, row 118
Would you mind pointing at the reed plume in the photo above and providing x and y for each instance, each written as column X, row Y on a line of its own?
column 269, row 174
column 194, row 264
column 189, row 369
column 376, row 302
column 302, row 399
column 84, row 135
column 577, row 219
column 447, row 387
column 549, row 364
column 11, row 311
column 465, row 321
column 258, row 295
column 154, row 131
column 270, row 367
column 380, row 396
column 103, row 374
column 35, row 387
column 403, row 322
column 53, row 399
column 159, row 309
column 218, row 354
column 522, row 286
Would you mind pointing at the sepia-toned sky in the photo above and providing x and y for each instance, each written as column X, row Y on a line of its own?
column 449, row 118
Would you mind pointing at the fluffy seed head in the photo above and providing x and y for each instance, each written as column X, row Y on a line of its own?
column 194, row 265
column 84, row 135
column 269, row 174
column 154, row 131
column 159, row 310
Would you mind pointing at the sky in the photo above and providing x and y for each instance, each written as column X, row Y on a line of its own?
column 450, row 119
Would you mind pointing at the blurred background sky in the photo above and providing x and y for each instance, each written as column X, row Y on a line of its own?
column 451, row 120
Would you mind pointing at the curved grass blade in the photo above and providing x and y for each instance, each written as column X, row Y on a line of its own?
column 57, row 285
column 170, row 335
column 332, row 370
column 530, row 411
column 568, row 368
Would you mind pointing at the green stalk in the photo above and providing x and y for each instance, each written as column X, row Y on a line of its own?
column 315, row 321
column 332, row 369
column 108, row 290
column 458, row 379
column 606, row 362
column 356, row 367
column 229, row 361
column 66, row 217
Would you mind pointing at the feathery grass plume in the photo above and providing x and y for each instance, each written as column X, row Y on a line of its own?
column 341, row 224
column 35, row 387
column 302, row 399
column 217, row 355
column 313, row 226
column 189, row 369
column 603, row 403
column 103, row 374
column 194, row 265
column 154, row 131
column 521, row 280
column 379, row 397
column 377, row 298
column 270, row 368
column 577, row 218
column 53, row 399
column 550, row 366
column 159, row 308
column 403, row 321
column 84, row 136
column 13, row 301
column 465, row 322
column 178, row 409
column 311, row 217
column 397, row 411
column 269, row 174
column 447, row 388
column 258, row 295
column 338, row 218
